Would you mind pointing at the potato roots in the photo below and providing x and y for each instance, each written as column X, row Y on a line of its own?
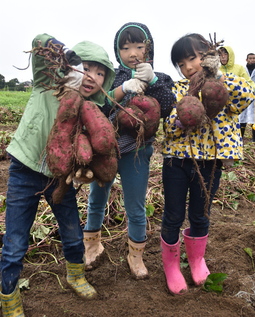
column 142, row 116
column 81, row 139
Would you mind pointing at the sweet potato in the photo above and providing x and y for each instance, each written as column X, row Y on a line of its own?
column 190, row 111
column 82, row 149
column 104, row 167
column 61, row 189
column 214, row 97
column 196, row 82
column 59, row 146
column 100, row 129
column 127, row 121
column 151, row 110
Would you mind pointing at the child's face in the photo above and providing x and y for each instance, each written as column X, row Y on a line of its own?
column 190, row 65
column 131, row 53
column 223, row 57
column 92, row 80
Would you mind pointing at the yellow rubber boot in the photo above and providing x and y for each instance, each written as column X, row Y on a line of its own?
column 135, row 260
column 77, row 281
column 93, row 247
column 12, row 304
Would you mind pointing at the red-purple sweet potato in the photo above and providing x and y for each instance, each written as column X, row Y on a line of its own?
column 190, row 111
column 214, row 97
column 151, row 110
column 59, row 146
column 82, row 149
column 100, row 130
column 127, row 118
column 104, row 167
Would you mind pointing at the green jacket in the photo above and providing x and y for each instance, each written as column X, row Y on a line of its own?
column 29, row 142
column 233, row 68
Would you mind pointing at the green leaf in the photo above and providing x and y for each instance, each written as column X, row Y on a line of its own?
column 41, row 232
column 214, row 282
column 232, row 176
column 248, row 251
column 251, row 197
column 149, row 210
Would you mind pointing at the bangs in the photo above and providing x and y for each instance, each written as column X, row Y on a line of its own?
column 188, row 46
column 132, row 35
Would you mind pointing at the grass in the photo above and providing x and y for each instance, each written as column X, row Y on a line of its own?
column 14, row 100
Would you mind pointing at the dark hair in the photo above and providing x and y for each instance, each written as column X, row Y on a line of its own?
column 96, row 64
column 249, row 55
column 186, row 47
column 131, row 34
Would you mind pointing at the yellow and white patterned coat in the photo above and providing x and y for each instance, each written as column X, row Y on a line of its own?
column 226, row 128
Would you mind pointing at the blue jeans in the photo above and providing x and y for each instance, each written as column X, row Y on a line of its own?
column 179, row 177
column 22, row 203
column 133, row 168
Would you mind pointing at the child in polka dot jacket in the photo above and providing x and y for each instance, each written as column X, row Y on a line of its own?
column 180, row 174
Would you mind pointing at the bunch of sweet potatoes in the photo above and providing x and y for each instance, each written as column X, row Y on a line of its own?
column 140, row 115
column 82, row 141
column 193, row 112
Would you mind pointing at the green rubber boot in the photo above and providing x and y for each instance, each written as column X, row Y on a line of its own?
column 77, row 281
column 12, row 304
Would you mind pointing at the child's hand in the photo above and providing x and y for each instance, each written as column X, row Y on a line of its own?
column 144, row 72
column 212, row 63
column 134, row 85
column 75, row 77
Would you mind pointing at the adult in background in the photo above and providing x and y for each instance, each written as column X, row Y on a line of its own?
column 248, row 115
column 227, row 59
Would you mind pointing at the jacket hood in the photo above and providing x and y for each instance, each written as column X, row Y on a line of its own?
column 231, row 56
column 148, row 36
column 91, row 52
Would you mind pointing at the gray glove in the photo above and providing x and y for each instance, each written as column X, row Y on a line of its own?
column 75, row 77
column 134, row 86
column 144, row 72
column 212, row 63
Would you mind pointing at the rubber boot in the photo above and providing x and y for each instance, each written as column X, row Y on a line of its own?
column 171, row 263
column 93, row 247
column 135, row 259
column 195, row 249
column 77, row 281
column 12, row 304
column 253, row 132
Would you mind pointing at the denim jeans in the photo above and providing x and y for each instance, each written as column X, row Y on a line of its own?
column 22, row 202
column 133, row 168
column 179, row 178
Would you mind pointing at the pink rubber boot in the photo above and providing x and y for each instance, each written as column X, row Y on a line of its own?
column 171, row 263
column 195, row 248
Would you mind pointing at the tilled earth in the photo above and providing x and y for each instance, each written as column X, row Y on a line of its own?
column 119, row 295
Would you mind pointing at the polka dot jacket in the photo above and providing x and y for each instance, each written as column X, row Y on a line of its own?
column 225, row 127
column 161, row 89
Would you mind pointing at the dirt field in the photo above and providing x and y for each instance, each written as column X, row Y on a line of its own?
column 119, row 295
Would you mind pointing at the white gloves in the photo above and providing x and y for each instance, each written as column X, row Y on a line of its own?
column 134, row 86
column 144, row 72
column 75, row 77
column 212, row 62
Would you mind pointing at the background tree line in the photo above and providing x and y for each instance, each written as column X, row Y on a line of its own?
column 14, row 84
